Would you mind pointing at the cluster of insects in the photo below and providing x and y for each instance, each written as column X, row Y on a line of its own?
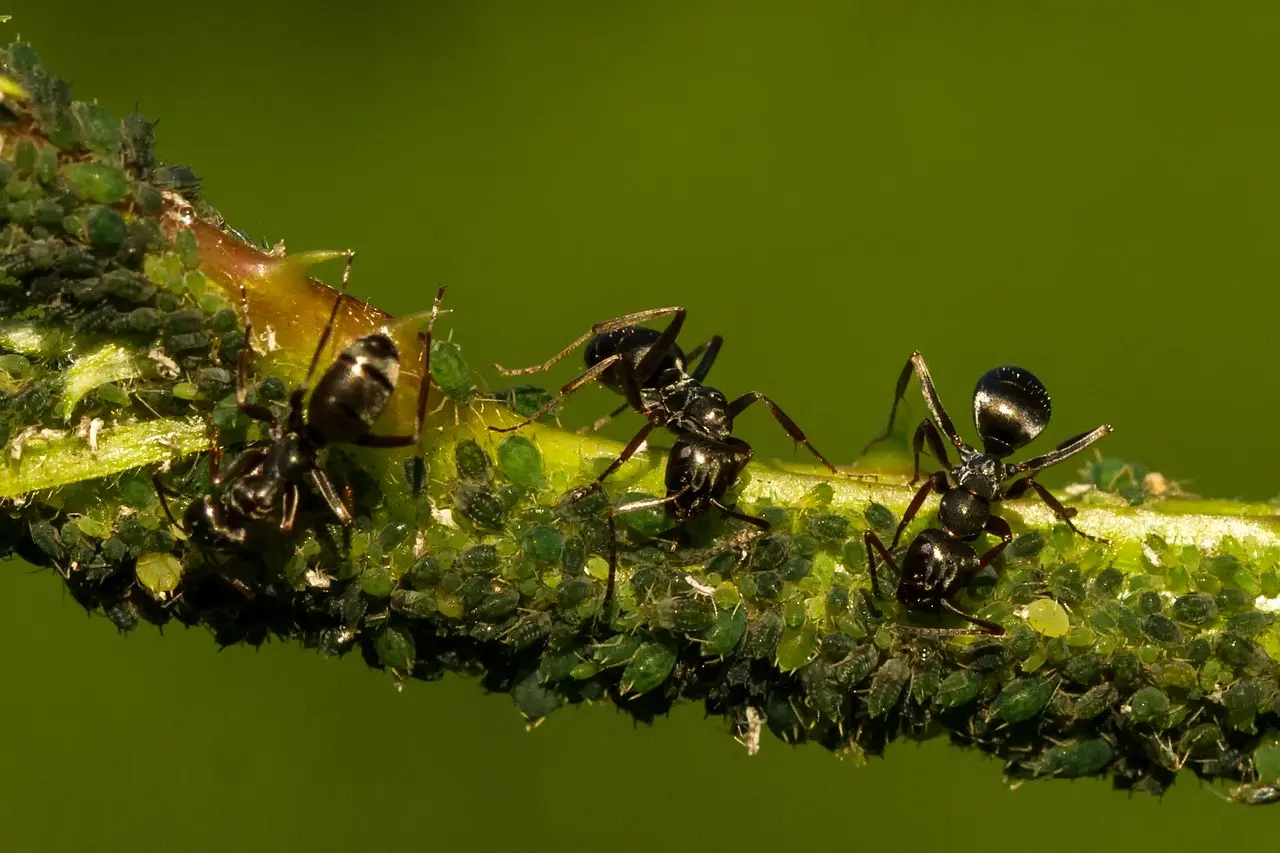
column 666, row 385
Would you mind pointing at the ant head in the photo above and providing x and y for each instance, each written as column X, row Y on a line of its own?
column 1010, row 408
column 206, row 525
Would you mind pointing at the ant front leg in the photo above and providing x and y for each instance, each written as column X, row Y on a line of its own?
column 589, row 375
column 1070, row 447
column 668, row 336
column 792, row 428
column 612, row 514
column 937, row 482
column 330, row 496
column 165, row 492
column 873, row 546
column 253, row 410
column 753, row 520
column 927, row 432
column 916, row 364
column 984, row 626
column 996, row 526
column 1018, row 488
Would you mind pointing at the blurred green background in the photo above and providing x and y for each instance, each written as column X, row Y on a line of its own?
column 1088, row 189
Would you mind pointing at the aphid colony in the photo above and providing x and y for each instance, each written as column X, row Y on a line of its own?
column 666, row 385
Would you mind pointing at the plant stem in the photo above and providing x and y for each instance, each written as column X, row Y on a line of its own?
column 121, row 327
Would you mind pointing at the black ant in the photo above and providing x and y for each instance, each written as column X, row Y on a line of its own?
column 264, row 481
column 650, row 370
column 1010, row 408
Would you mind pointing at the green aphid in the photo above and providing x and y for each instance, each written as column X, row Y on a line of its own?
column 770, row 552
column 450, row 371
column 533, row 699
column 886, row 686
column 396, row 649
column 693, row 615
column 880, row 518
column 526, row 400
column 97, row 182
column 98, row 131
column 617, row 650
column 796, row 647
column 858, row 666
column 1150, row 705
column 1243, row 701
column 1095, row 701
column 520, row 461
column 1074, row 760
column 496, row 605
column 1195, row 608
column 542, row 543
column 1022, row 699
column 159, row 574
column 958, row 689
column 763, row 635
column 649, row 668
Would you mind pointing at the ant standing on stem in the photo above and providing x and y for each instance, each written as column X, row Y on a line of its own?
column 650, row 370
column 263, row 481
column 1010, row 408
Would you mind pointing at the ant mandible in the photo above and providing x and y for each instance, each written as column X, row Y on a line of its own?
column 650, row 370
column 1010, row 408
column 343, row 407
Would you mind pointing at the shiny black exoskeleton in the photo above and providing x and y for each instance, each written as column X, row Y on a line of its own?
column 1010, row 408
column 263, row 481
column 650, row 370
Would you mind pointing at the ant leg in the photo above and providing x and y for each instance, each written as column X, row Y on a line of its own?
column 333, row 318
column 996, row 526
column 873, row 544
column 289, row 504
column 326, row 490
column 627, row 452
column 708, row 351
column 259, row 413
column 164, row 493
column 937, row 482
column 600, row 423
column 612, row 514
column 424, row 389
column 591, row 373
column 755, row 521
column 630, row 389
column 1070, row 447
column 917, row 365
column 791, row 427
column 928, row 432
column 984, row 626
column 1019, row 487
column 599, row 329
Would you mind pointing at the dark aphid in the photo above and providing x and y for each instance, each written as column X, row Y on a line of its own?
column 648, row 368
column 263, row 482
column 1010, row 408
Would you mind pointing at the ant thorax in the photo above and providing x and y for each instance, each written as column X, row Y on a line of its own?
column 980, row 473
column 685, row 405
